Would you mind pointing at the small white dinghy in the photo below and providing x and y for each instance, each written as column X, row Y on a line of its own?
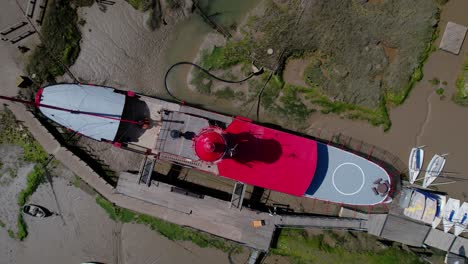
column 440, row 211
column 415, row 163
column 462, row 219
column 450, row 212
column 433, row 169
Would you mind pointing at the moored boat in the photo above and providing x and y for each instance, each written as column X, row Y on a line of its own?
column 450, row 212
column 232, row 147
column 461, row 219
column 35, row 210
column 435, row 167
column 415, row 163
column 422, row 205
column 440, row 211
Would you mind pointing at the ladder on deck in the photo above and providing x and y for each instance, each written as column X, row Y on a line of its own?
column 237, row 196
column 146, row 169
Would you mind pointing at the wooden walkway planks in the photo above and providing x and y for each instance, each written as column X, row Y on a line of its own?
column 208, row 214
column 376, row 224
column 404, row 231
column 460, row 246
column 438, row 239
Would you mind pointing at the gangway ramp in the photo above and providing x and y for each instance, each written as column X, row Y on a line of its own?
column 237, row 196
column 146, row 170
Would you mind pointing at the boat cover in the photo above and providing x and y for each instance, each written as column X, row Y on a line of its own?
column 97, row 102
column 422, row 208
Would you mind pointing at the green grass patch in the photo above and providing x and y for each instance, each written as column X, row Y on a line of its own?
column 76, row 182
column 11, row 133
column 34, row 179
column 272, row 30
column 61, row 42
column 22, row 228
column 461, row 86
column 301, row 248
column 115, row 213
column 434, row 81
column 2, row 224
column 233, row 53
column 169, row 230
column 272, row 91
column 377, row 117
column 397, row 98
column 292, row 105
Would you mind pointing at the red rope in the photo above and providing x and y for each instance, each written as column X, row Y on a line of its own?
column 37, row 105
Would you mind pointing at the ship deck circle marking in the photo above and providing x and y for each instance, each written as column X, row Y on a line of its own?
column 344, row 174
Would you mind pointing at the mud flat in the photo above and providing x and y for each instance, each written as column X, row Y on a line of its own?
column 424, row 118
column 13, row 174
column 84, row 232
column 117, row 50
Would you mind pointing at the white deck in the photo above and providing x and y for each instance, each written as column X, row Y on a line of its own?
column 155, row 106
column 343, row 177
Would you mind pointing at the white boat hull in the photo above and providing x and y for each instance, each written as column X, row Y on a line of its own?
column 462, row 219
column 415, row 163
column 434, row 168
column 438, row 219
column 450, row 212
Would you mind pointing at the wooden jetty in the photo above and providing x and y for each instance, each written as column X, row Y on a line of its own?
column 224, row 218
column 206, row 214
column 404, row 230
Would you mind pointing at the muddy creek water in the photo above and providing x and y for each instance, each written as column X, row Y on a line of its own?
column 188, row 37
